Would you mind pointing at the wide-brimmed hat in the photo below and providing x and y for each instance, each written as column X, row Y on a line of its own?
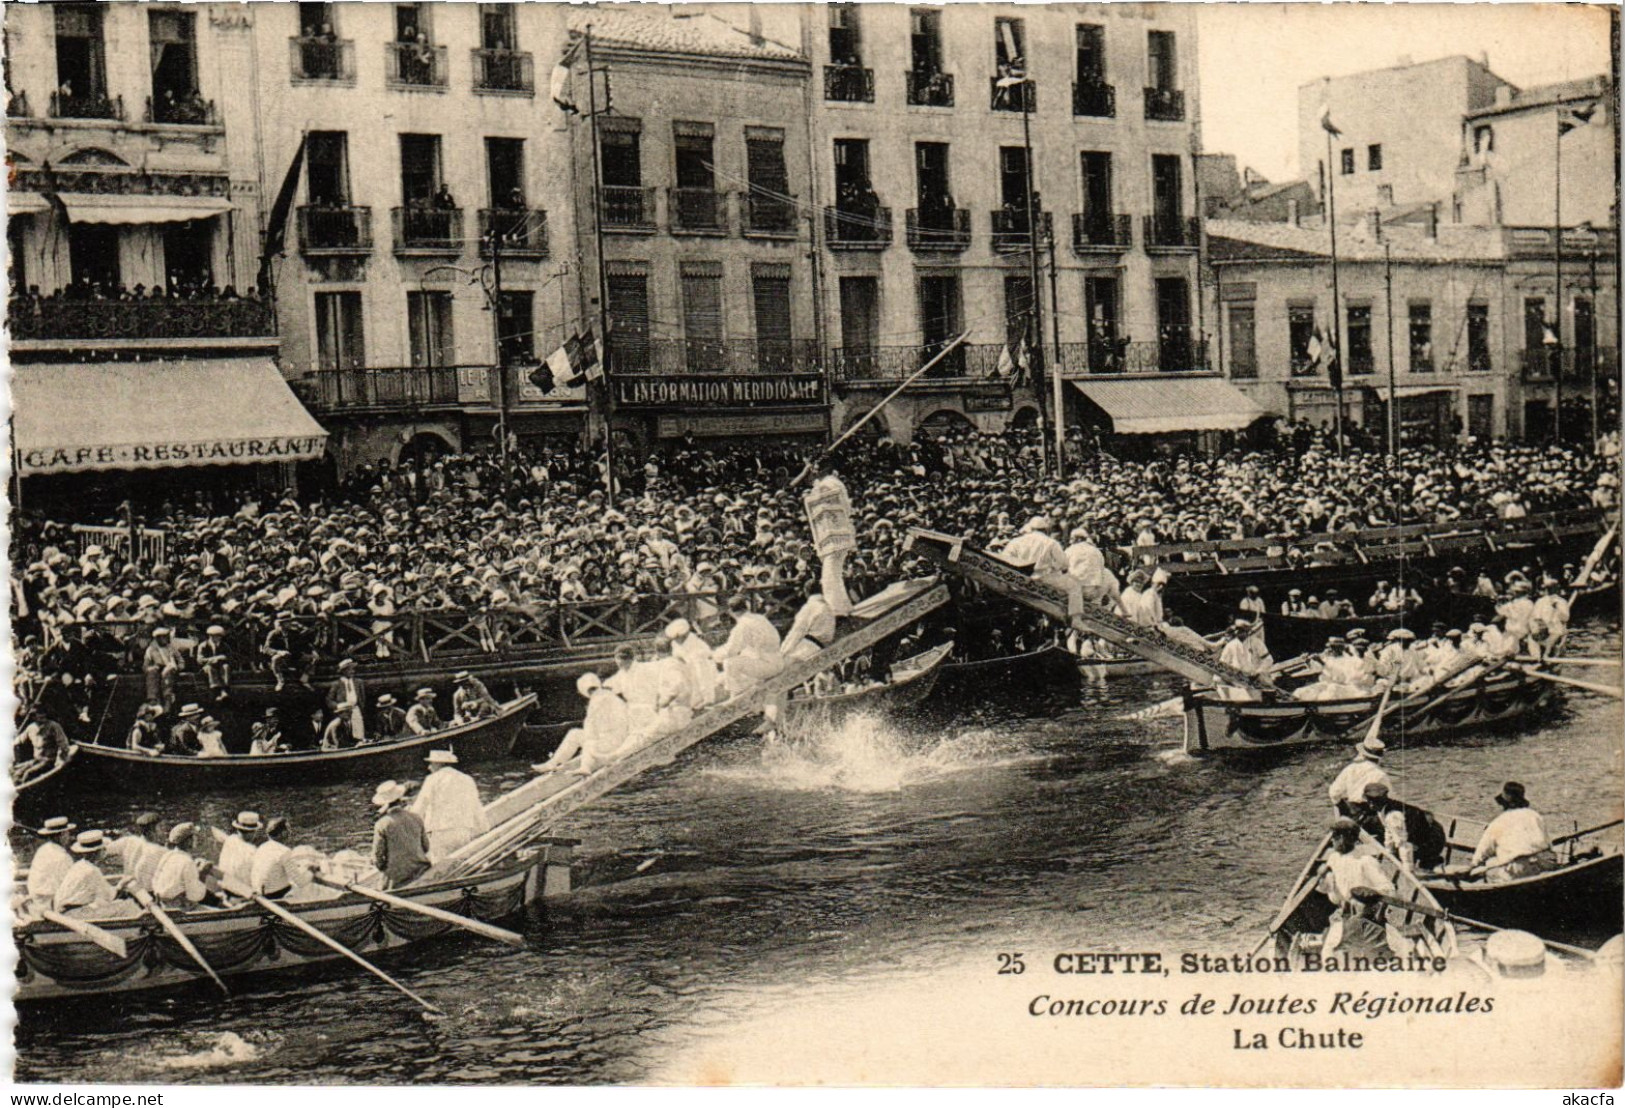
column 462, row 675
column 386, row 700
column 89, row 842
column 1372, row 749
column 388, row 793
column 1374, row 789
column 346, row 664
column 247, row 821
column 1511, row 796
column 215, row 629
column 160, row 632
column 442, row 758
column 191, row 710
column 55, row 826
column 424, row 694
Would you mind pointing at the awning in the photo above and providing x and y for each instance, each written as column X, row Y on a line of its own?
column 1403, row 391
column 90, row 208
column 158, row 415
column 1159, row 405
column 26, row 203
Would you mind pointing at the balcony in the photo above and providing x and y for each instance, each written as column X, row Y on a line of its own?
column 929, row 90
column 334, row 229
column 55, row 318
column 1177, row 232
column 412, row 65
column 939, row 230
column 428, row 230
column 1094, row 98
column 1538, row 364
column 1012, row 233
column 1012, row 98
column 1106, row 234
column 857, row 229
column 1536, row 243
column 897, row 363
column 1164, row 105
column 397, row 388
column 66, row 105
column 521, row 232
column 696, row 211
column 504, row 72
column 1362, row 365
column 675, row 357
column 1176, row 353
column 322, row 58
column 850, row 84
column 767, row 216
column 189, row 111
column 627, row 208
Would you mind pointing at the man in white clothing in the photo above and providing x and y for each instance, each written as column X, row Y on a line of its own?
column 602, row 733
column 52, row 860
column 1515, row 844
column 1348, row 788
column 85, row 892
column 1347, row 871
column 268, row 875
column 751, row 654
column 695, row 654
column 140, row 852
column 812, row 630
column 237, row 849
column 449, row 805
column 674, row 692
column 176, row 882
column 1036, row 551
column 1086, row 565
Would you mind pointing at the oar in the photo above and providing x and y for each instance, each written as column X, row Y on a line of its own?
column 1606, row 690
column 1300, row 891
column 501, row 935
column 1382, row 709
column 236, row 888
column 1588, row 831
column 102, row 938
column 146, row 901
column 1451, row 917
column 1612, row 663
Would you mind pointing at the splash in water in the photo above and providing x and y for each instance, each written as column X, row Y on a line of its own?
column 211, row 1050
column 863, row 754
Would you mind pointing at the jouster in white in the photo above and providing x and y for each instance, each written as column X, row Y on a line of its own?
column 449, row 806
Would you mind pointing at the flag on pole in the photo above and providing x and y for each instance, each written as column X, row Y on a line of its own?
column 1326, row 123
column 1007, row 364
column 1568, row 118
column 53, row 195
column 276, row 226
column 560, row 88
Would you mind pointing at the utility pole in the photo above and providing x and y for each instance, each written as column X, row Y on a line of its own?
column 1334, row 368
column 1056, row 383
column 495, row 237
column 603, row 277
column 1036, row 317
column 1393, row 388
column 1557, row 294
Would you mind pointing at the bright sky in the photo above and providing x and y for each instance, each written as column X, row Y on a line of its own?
column 1254, row 56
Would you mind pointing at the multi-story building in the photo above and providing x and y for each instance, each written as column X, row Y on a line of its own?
column 942, row 138
column 133, row 234
column 701, row 217
column 1510, row 152
column 427, row 269
column 1447, row 318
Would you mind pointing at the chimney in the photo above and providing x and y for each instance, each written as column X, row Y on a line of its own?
column 1431, row 220
column 1503, row 95
column 1292, row 212
column 1373, row 224
column 1385, row 195
column 1484, row 58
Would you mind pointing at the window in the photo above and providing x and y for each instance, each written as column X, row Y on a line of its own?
column 321, row 54
column 1091, row 46
column 1164, row 57
column 925, row 41
column 940, row 322
column 429, row 323
column 93, row 256
column 860, row 318
column 770, row 293
column 1101, row 301
column 702, row 317
column 1481, row 416
column 420, row 169
column 1373, row 157
column 1018, row 312
column 327, row 169
column 16, row 267
column 845, row 46
column 1300, row 324
column 339, row 340
column 934, row 196
column 622, row 159
column 1534, row 323
column 1346, row 161
column 1167, row 189
column 1421, row 337
column 1478, row 337
column 516, row 328
column 81, row 67
column 628, row 308
column 1242, row 332
column 1013, row 180
column 497, row 28
column 189, row 254
column 1010, row 45
column 769, row 207
column 316, row 20
column 172, row 39
column 1174, row 347
column 411, row 23
column 1097, row 195
column 1585, row 332
column 853, row 190
column 1358, row 338
column 1483, row 139
column 505, row 172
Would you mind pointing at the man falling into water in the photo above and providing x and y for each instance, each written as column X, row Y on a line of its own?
column 829, row 516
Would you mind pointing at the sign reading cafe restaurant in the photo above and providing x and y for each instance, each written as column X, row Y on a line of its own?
column 733, row 390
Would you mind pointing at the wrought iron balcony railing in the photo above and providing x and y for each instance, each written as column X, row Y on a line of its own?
column 335, row 229
column 1102, row 234
column 322, row 58
column 895, row 363
column 1540, row 364
column 767, row 216
column 627, row 207
column 938, row 229
column 1011, row 98
column 65, row 105
column 674, row 357
column 428, row 230
column 857, row 229
column 190, row 110
column 1166, row 105
column 1012, row 232
column 393, row 388
column 929, row 89
column 1176, row 352
column 509, row 71
column 696, row 211
column 32, row 318
column 1094, row 98
column 852, row 84
column 1172, row 232
column 520, row 231
column 414, row 65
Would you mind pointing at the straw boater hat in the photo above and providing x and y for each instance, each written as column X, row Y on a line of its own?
column 216, row 629
column 386, row 701
column 388, row 793
column 1371, row 749
column 346, row 665
column 56, row 825
column 247, row 821
column 442, row 758
column 191, row 710
column 89, row 842
column 424, row 694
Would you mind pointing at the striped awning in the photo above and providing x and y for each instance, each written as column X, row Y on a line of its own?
column 84, row 207
column 1163, row 405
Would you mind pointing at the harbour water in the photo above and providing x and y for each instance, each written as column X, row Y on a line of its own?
column 730, row 883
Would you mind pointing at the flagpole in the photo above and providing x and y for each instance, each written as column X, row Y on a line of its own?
column 1557, row 295
column 1393, row 388
column 1334, row 368
column 1035, row 317
column 603, row 277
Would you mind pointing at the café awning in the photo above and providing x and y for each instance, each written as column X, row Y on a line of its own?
column 91, row 208
column 1161, row 405
column 158, row 415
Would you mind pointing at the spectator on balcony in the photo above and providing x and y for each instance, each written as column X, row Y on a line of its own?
column 443, row 200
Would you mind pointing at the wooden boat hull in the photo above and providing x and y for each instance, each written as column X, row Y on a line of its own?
column 1018, row 673
column 110, row 770
column 54, row 963
column 912, row 680
column 1102, row 669
column 37, row 797
column 1290, row 636
column 1586, row 894
column 1214, row 724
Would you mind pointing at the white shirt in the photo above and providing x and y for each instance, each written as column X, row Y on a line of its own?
column 139, row 857
column 50, row 864
column 1037, row 550
column 1084, row 561
column 450, row 800
column 82, row 885
column 752, row 635
column 1349, row 785
column 268, row 872
column 1515, row 833
column 176, row 877
column 237, row 859
column 1354, row 871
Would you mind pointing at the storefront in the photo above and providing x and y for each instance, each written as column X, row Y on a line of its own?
column 1166, row 414
column 654, row 409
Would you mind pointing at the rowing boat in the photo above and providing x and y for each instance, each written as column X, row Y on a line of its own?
column 1213, row 723
column 53, row 962
column 911, row 681
column 40, row 792
column 108, row 769
column 1583, row 893
column 1101, row 667
column 1288, row 636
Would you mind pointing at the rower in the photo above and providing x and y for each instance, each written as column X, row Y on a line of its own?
column 1384, row 820
column 400, row 844
column 139, row 852
column 176, row 881
column 1515, row 844
column 52, row 860
column 237, row 849
column 268, row 872
column 1349, row 882
column 304, row 865
column 421, row 717
column 1348, row 789
column 449, row 805
column 1086, row 565
column 85, row 892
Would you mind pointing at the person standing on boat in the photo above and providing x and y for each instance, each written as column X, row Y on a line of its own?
column 400, row 844
column 1515, row 844
column 1348, row 788
column 237, row 849
column 829, row 517
column 215, row 662
column 389, row 721
column 344, row 699
column 52, row 860
column 421, row 717
column 449, row 805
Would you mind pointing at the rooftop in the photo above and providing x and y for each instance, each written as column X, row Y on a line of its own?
column 1563, row 92
column 1234, row 240
column 659, row 30
column 1406, row 63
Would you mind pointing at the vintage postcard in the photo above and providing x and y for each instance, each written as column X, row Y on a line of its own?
column 815, row 544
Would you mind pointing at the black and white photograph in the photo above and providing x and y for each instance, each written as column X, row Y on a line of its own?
column 848, row 544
